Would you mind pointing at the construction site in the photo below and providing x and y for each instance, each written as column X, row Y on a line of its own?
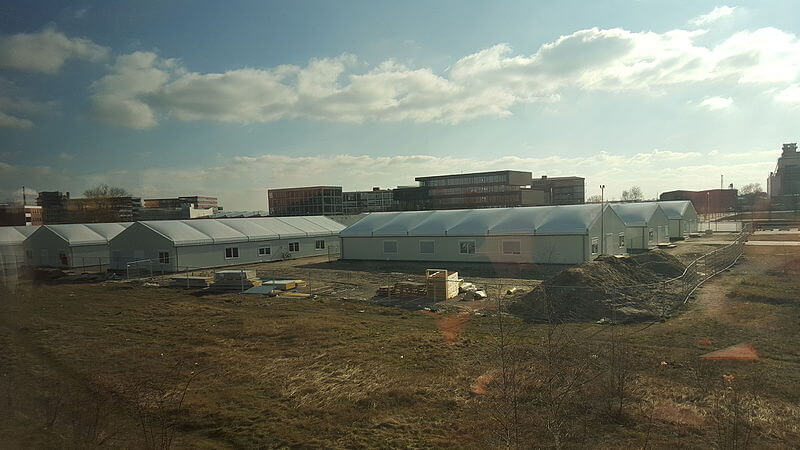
column 694, row 340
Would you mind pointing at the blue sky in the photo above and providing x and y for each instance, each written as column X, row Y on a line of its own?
column 230, row 98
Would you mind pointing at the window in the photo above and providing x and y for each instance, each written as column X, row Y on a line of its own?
column 621, row 240
column 466, row 247
column 231, row 252
column 650, row 235
column 294, row 246
column 426, row 247
column 511, row 248
column 320, row 244
column 595, row 246
column 163, row 257
column 263, row 251
column 389, row 246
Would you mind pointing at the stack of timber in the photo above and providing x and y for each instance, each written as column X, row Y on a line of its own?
column 235, row 280
column 404, row 289
column 285, row 285
column 190, row 282
column 441, row 284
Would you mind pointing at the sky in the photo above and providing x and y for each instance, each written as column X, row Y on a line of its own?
column 228, row 99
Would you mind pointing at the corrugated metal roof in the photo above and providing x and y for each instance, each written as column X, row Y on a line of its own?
column 550, row 220
column 636, row 214
column 210, row 231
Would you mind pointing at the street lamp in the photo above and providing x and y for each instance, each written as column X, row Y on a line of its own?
column 602, row 220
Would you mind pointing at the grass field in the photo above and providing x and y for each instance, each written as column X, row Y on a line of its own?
column 107, row 364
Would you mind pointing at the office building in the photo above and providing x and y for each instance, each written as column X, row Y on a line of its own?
column 783, row 185
column 305, row 201
column 376, row 200
column 561, row 190
column 498, row 189
column 18, row 215
column 707, row 202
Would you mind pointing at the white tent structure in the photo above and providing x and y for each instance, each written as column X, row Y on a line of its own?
column 71, row 245
column 12, row 250
column 646, row 224
column 176, row 245
column 682, row 217
column 541, row 234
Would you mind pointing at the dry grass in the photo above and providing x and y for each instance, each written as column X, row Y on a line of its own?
column 283, row 372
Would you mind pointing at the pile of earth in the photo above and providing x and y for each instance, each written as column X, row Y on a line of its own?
column 620, row 289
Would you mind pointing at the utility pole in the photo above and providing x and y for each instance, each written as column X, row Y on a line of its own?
column 24, row 200
column 602, row 220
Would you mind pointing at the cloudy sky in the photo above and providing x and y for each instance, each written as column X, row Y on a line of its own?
column 231, row 98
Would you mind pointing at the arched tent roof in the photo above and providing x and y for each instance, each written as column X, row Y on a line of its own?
column 636, row 214
column 677, row 209
column 366, row 226
column 571, row 219
column 217, row 231
column 26, row 230
column 75, row 234
column 547, row 220
column 11, row 236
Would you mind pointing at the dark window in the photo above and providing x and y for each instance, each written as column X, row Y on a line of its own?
column 320, row 244
column 163, row 257
column 231, row 252
column 294, row 246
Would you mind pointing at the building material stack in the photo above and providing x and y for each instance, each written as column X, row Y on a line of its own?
column 190, row 282
column 441, row 284
column 404, row 289
column 235, row 280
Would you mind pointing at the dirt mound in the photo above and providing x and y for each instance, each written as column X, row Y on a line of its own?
column 621, row 289
column 661, row 263
column 741, row 352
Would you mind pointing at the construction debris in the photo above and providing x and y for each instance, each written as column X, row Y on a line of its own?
column 190, row 282
column 235, row 280
column 467, row 287
column 403, row 289
column 479, row 295
column 441, row 284
column 284, row 285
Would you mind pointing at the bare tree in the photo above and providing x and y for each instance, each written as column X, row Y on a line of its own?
column 104, row 191
column 751, row 188
column 594, row 199
column 633, row 194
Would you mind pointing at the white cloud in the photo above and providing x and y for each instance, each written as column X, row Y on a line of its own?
column 46, row 51
column 9, row 121
column 13, row 106
column 143, row 88
column 64, row 156
column 789, row 95
column 654, row 171
column 717, row 13
column 716, row 103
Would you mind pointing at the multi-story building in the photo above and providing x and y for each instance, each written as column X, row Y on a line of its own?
column 305, row 201
column 18, row 215
column 54, row 206
column 783, row 185
column 498, row 189
column 376, row 200
column 707, row 202
column 60, row 208
column 561, row 190
column 179, row 203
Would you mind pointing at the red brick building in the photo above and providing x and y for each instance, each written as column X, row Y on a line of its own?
column 709, row 201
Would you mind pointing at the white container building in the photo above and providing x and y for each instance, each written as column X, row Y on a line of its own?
column 178, row 245
column 646, row 224
column 566, row 234
column 71, row 245
column 682, row 217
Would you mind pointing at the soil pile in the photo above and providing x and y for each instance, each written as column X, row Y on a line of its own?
column 608, row 288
